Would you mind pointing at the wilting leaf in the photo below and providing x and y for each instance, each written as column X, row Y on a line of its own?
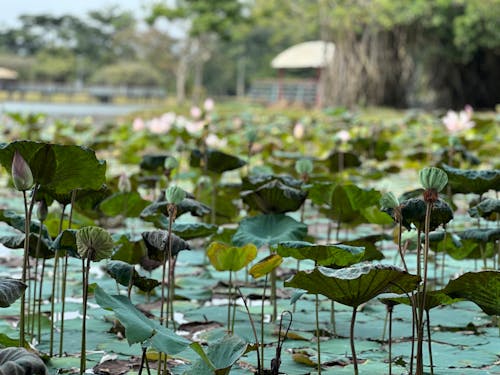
column 10, row 291
column 470, row 181
column 138, row 328
column 125, row 274
column 482, row 288
column 488, row 209
column 19, row 361
column 354, row 285
column 265, row 266
column 268, row 230
column 325, row 255
column 230, row 258
column 413, row 212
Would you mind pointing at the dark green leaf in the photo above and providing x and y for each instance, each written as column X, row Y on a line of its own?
column 19, row 361
column 189, row 231
column 125, row 274
column 215, row 161
column 470, row 181
column 488, row 209
column 10, row 291
column 126, row 204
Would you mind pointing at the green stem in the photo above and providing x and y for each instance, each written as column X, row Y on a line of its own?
column 36, row 303
column 25, row 267
column 229, row 302
column 83, row 354
column 353, row 348
column 389, row 309
column 318, row 335
column 39, row 324
column 429, row 340
column 332, row 318
column 273, row 295
column 262, row 324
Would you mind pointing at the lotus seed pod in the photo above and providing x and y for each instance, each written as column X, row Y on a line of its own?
column 21, row 173
column 433, row 178
column 124, row 185
column 94, row 242
column 171, row 163
column 389, row 200
column 304, row 166
column 42, row 211
column 175, row 194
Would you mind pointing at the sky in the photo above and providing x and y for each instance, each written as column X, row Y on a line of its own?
column 11, row 9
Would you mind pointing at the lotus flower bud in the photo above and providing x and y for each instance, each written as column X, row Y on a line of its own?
column 175, row 194
column 171, row 163
column 304, row 167
column 42, row 210
column 21, row 173
column 389, row 200
column 124, row 185
column 94, row 243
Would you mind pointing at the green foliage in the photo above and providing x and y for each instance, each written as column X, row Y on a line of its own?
column 10, row 291
column 128, row 74
column 19, row 361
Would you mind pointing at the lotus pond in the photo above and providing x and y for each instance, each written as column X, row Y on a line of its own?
column 245, row 240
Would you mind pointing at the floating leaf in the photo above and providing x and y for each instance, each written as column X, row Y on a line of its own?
column 216, row 161
column 470, row 181
column 138, row 328
column 482, row 288
column 265, row 266
column 354, row 285
column 94, row 243
column 325, row 255
column 10, row 291
column 268, row 230
column 19, row 361
column 230, row 258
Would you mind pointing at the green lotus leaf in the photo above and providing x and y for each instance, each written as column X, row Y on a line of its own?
column 128, row 248
column 488, row 209
column 265, row 266
column 125, row 274
column 216, row 161
column 138, row 328
column 339, row 255
column 18, row 222
column 354, row 285
column 157, row 242
column 219, row 357
column 481, row 234
column 126, row 204
column 482, row 288
column 157, row 211
column 268, row 230
column 193, row 230
column 230, row 258
column 433, row 299
column 274, row 197
column 10, row 290
column 66, row 241
column 470, row 181
column 14, row 239
column 349, row 160
column 19, row 361
column 254, row 181
column 61, row 168
column 369, row 244
column 94, row 243
column 153, row 162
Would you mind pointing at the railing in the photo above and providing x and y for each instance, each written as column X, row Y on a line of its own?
column 101, row 92
column 293, row 91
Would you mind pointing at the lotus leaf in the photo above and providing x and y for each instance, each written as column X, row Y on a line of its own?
column 193, row 230
column 94, row 242
column 155, row 211
column 216, row 161
column 125, row 274
column 138, row 328
column 268, row 230
column 66, row 241
column 265, row 266
column 157, row 242
column 129, row 248
column 470, row 181
column 481, row 235
column 413, row 212
column 488, row 209
column 482, row 288
column 126, row 204
column 349, row 160
column 152, row 162
column 61, row 168
column 230, row 258
column 433, row 299
column 10, row 290
column 19, row 361
column 325, row 255
column 354, row 285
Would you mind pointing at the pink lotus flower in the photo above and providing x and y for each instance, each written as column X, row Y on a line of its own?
column 209, row 104
column 138, row 124
column 343, row 136
column 215, row 142
column 159, row 126
column 194, row 127
column 196, row 112
column 299, row 130
column 458, row 122
column 168, row 118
